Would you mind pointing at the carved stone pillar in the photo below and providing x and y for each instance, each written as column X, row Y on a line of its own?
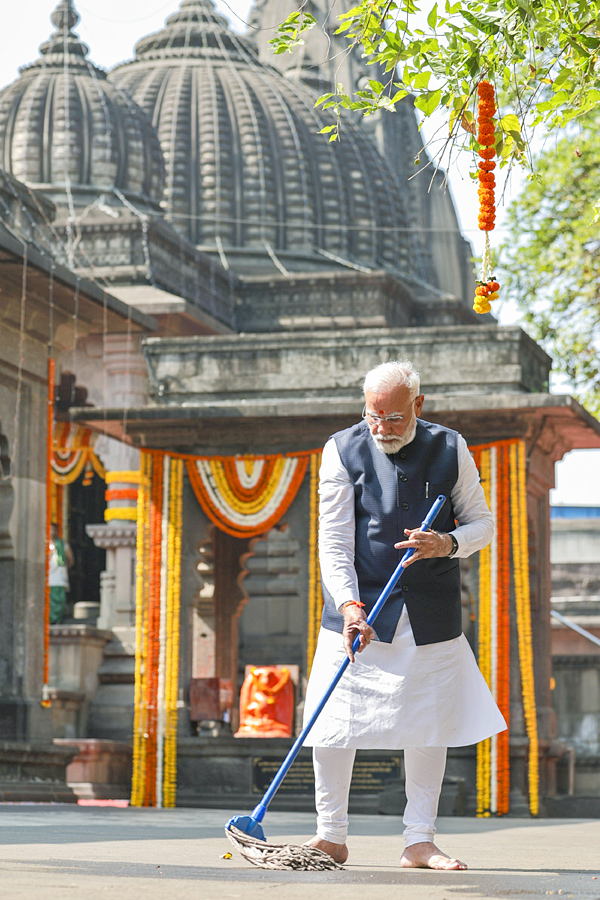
column 111, row 712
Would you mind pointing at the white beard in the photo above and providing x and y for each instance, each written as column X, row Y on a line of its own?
column 392, row 444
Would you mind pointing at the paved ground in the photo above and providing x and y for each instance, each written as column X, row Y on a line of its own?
column 63, row 852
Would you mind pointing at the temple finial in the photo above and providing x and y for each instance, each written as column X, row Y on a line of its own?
column 65, row 14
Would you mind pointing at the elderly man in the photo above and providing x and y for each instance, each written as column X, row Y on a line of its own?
column 417, row 687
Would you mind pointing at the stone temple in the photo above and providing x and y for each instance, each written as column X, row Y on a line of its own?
column 275, row 269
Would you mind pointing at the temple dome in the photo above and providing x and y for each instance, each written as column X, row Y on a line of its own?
column 246, row 171
column 64, row 128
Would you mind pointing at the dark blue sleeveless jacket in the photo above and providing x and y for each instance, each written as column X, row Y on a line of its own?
column 392, row 493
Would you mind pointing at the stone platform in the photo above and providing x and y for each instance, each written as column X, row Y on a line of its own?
column 216, row 771
column 35, row 772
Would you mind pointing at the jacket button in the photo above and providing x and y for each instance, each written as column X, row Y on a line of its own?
column 405, row 506
column 404, row 478
column 403, row 456
column 404, row 587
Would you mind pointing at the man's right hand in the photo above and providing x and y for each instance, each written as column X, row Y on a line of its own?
column 355, row 623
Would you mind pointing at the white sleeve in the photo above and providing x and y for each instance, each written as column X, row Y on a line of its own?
column 475, row 522
column 336, row 527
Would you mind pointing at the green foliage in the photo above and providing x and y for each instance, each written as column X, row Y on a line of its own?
column 551, row 259
column 289, row 33
column 542, row 56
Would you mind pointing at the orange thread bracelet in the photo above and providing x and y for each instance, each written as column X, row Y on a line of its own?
column 352, row 603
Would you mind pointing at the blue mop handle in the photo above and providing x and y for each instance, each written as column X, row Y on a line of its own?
column 259, row 812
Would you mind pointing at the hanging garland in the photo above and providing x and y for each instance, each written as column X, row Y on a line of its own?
column 246, row 497
column 502, row 470
column 487, row 288
column 48, row 529
column 518, row 503
column 73, row 452
column 159, row 524
column 315, row 593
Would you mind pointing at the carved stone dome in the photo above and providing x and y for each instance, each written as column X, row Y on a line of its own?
column 246, row 171
column 65, row 129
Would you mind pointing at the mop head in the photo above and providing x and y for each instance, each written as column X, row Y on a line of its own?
column 279, row 856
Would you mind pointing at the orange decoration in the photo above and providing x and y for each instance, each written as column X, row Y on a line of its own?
column 487, row 288
column 152, row 659
column 121, row 494
column 503, row 618
column 267, row 703
column 49, row 452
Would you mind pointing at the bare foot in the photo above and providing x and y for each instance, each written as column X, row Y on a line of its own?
column 426, row 855
column 338, row 852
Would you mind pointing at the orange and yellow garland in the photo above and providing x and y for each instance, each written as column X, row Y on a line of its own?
column 487, row 289
column 48, row 525
column 159, row 526
column 315, row 593
column 502, row 470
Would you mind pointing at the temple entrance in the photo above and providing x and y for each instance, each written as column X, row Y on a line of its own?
column 87, row 505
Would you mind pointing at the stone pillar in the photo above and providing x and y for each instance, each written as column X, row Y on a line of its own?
column 111, row 712
column 124, row 385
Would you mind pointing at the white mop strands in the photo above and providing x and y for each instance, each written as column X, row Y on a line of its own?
column 279, row 856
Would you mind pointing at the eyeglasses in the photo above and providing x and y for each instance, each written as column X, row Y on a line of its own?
column 394, row 419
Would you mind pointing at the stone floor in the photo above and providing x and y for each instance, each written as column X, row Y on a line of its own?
column 90, row 853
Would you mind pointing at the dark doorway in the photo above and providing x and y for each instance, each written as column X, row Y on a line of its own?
column 87, row 505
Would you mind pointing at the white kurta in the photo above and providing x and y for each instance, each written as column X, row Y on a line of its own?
column 397, row 695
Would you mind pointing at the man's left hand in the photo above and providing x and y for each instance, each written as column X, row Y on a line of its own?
column 427, row 544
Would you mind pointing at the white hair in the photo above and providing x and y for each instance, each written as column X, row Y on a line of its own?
column 393, row 374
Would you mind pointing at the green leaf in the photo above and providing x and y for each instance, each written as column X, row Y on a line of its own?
column 421, row 80
column 509, row 124
column 487, row 24
column 429, row 102
column 432, row 17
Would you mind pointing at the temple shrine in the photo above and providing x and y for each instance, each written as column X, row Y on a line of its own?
column 265, row 271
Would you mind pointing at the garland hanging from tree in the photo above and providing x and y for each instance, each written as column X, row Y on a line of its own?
column 487, row 288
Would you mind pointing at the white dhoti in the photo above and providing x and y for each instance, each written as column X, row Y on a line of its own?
column 395, row 696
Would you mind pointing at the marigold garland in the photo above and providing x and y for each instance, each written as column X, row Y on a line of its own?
column 502, row 469
column 246, row 503
column 159, row 512
column 487, row 289
column 45, row 701
column 73, row 452
column 518, row 500
column 315, row 594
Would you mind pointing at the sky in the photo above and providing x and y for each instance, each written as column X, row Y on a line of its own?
column 111, row 28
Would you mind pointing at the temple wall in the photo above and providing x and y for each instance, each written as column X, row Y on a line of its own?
column 22, row 566
column 273, row 624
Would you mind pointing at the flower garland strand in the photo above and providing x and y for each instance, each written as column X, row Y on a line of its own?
column 173, row 631
column 158, row 571
column 484, row 644
column 503, row 616
column 487, row 289
column 49, row 454
column 518, row 502
column 493, row 636
column 141, row 624
column 315, row 594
